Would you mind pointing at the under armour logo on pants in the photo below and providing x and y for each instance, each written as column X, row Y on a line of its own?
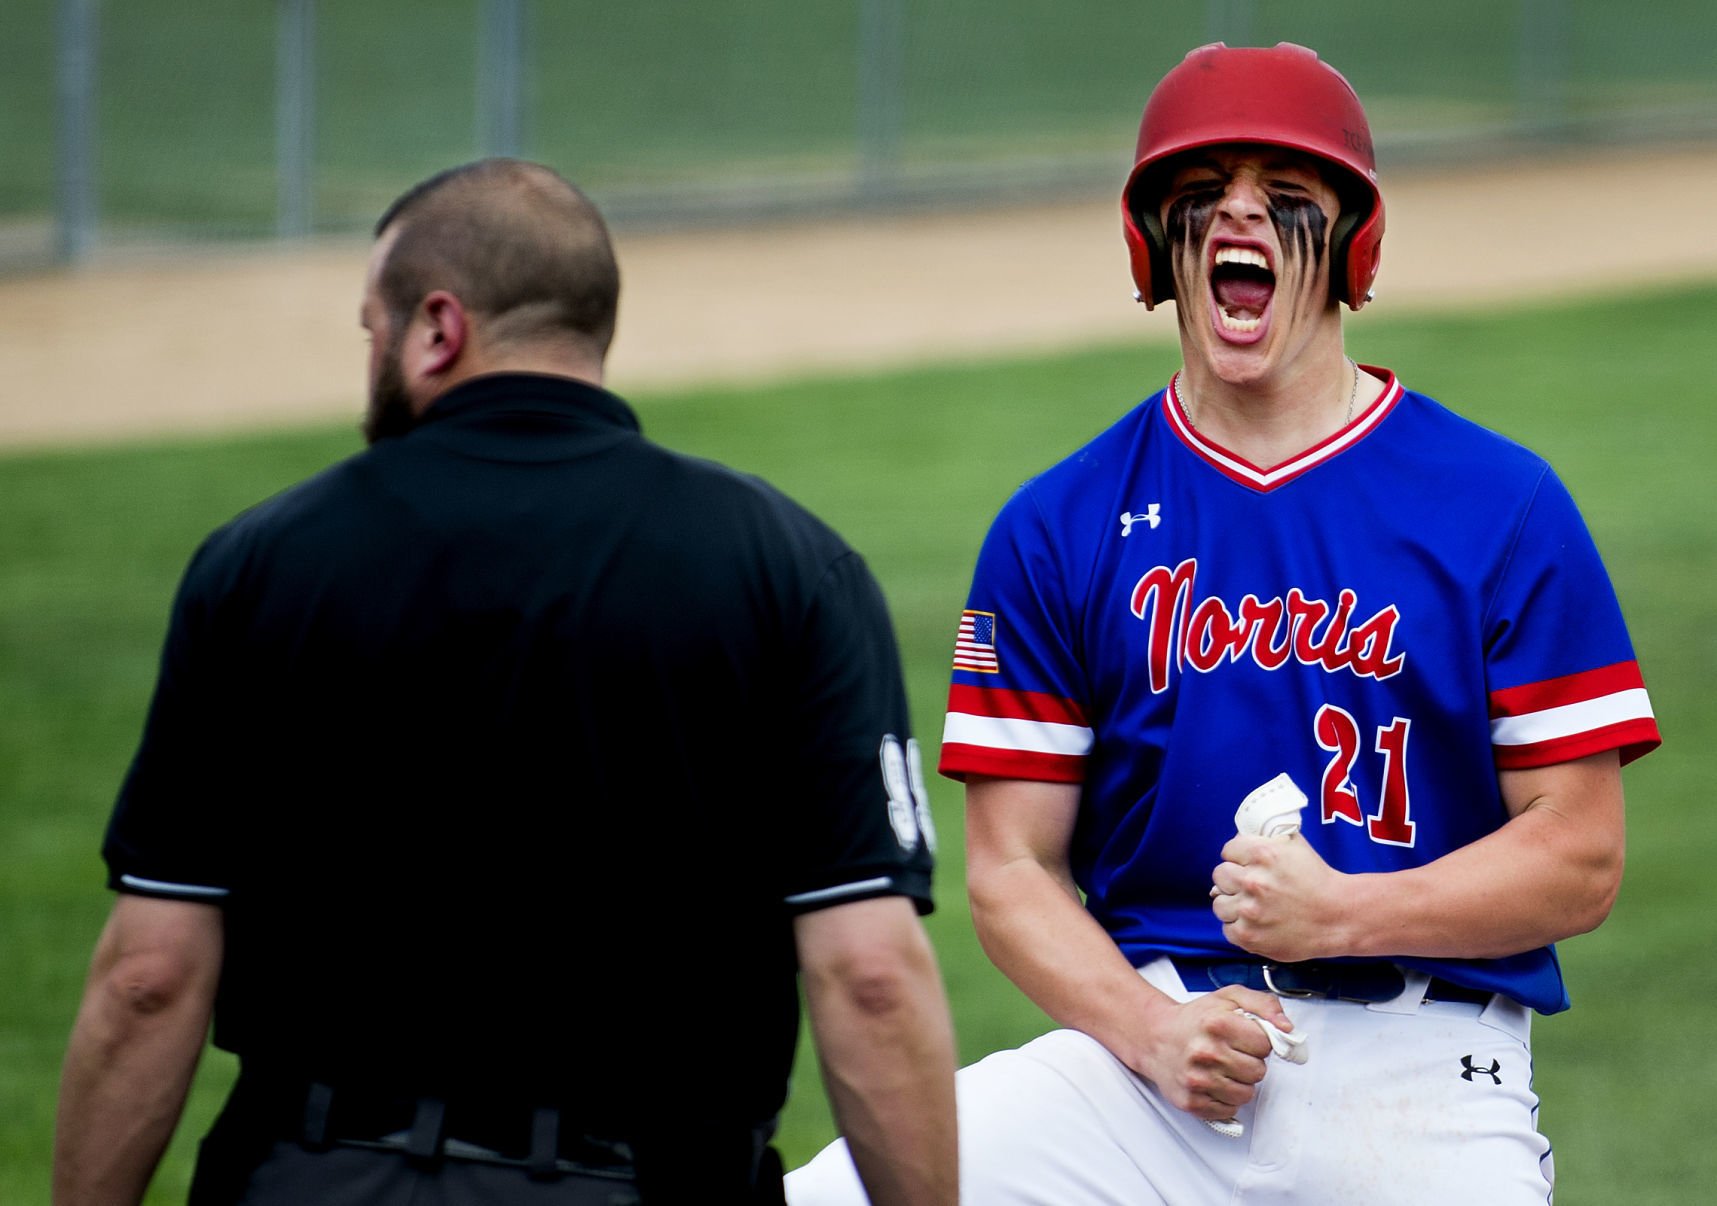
column 1492, row 1071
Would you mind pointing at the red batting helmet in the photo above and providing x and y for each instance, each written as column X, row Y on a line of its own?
column 1282, row 96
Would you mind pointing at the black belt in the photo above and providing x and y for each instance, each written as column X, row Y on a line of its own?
column 1368, row 983
column 429, row 1129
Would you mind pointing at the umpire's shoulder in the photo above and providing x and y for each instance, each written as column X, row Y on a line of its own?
column 740, row 506
column 284, row 511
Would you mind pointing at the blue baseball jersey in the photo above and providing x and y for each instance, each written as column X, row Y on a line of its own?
column 1389, row 618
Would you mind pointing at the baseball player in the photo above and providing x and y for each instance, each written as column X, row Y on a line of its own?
column 1290, row 581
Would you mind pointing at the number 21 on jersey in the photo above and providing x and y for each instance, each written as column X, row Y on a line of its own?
column 1338, row 732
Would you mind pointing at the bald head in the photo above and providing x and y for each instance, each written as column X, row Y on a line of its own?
column 523, row 250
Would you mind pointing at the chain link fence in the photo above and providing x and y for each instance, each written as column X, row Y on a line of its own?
column 128, row 121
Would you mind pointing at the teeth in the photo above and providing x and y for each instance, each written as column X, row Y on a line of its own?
column 1241, row 255
column 1240, row 325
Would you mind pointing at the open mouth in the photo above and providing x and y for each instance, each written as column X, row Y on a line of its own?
column 1241, row 286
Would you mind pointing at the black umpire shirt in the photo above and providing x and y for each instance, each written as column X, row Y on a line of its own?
column 504, row 739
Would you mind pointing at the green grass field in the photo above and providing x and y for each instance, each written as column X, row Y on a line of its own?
column 911, row 466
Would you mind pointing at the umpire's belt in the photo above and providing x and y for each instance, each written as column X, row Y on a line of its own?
column 1368, row 983
column 429, row 1129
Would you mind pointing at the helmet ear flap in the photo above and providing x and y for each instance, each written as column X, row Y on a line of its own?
column 1340, row 241
column 1162, row 273
column 1156, row 280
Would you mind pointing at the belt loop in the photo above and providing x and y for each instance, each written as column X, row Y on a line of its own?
column 427, row 1127
column 1412, row 994
column 318, row 1102
column 545, row 1144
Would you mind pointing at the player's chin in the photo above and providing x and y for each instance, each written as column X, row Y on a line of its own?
column 1239, row 364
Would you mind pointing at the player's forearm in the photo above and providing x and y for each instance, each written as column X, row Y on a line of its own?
column 122, row 1088
column 1034, row 928
column 1515, row 890
column 1550, row 872
column 887, row 1049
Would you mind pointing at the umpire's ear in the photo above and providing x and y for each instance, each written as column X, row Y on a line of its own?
column 436, row 339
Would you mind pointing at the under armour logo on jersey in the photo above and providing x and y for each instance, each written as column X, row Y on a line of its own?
column 1494, row 1071
column 1128, row 519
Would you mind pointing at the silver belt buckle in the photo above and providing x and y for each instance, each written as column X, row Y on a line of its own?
column 1295, row 994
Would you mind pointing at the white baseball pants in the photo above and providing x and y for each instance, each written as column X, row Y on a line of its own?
column 1400, row 1103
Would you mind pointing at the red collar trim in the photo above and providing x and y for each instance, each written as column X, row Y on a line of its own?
column 1240, row 470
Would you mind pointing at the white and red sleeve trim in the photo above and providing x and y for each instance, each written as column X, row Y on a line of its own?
column 1237, row 468
column 1014, row 735
column 1560, row 719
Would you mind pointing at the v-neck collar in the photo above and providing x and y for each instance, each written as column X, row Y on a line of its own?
column 1236, row 468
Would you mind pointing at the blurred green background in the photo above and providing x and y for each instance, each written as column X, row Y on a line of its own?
column 670, row 111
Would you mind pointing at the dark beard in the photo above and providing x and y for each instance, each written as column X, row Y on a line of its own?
column 390, row 412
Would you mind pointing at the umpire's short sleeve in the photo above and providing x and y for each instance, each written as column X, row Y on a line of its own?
column 166, row 835
column 858, row 818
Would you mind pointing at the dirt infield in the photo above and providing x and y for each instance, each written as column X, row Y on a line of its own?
column 155, row 344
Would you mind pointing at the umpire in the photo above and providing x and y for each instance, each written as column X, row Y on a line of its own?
column 497, row 783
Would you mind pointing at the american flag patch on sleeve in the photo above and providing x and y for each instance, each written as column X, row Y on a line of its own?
column 975, row 647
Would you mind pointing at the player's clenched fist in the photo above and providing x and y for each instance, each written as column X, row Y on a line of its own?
column 1207, row 1056
column 1277, row 897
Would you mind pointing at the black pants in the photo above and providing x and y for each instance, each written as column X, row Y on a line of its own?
column 258, row 1154
column 289, row 1175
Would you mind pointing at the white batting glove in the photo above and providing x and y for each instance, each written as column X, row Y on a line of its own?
column 1291, row 1047
column 1272, row 810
